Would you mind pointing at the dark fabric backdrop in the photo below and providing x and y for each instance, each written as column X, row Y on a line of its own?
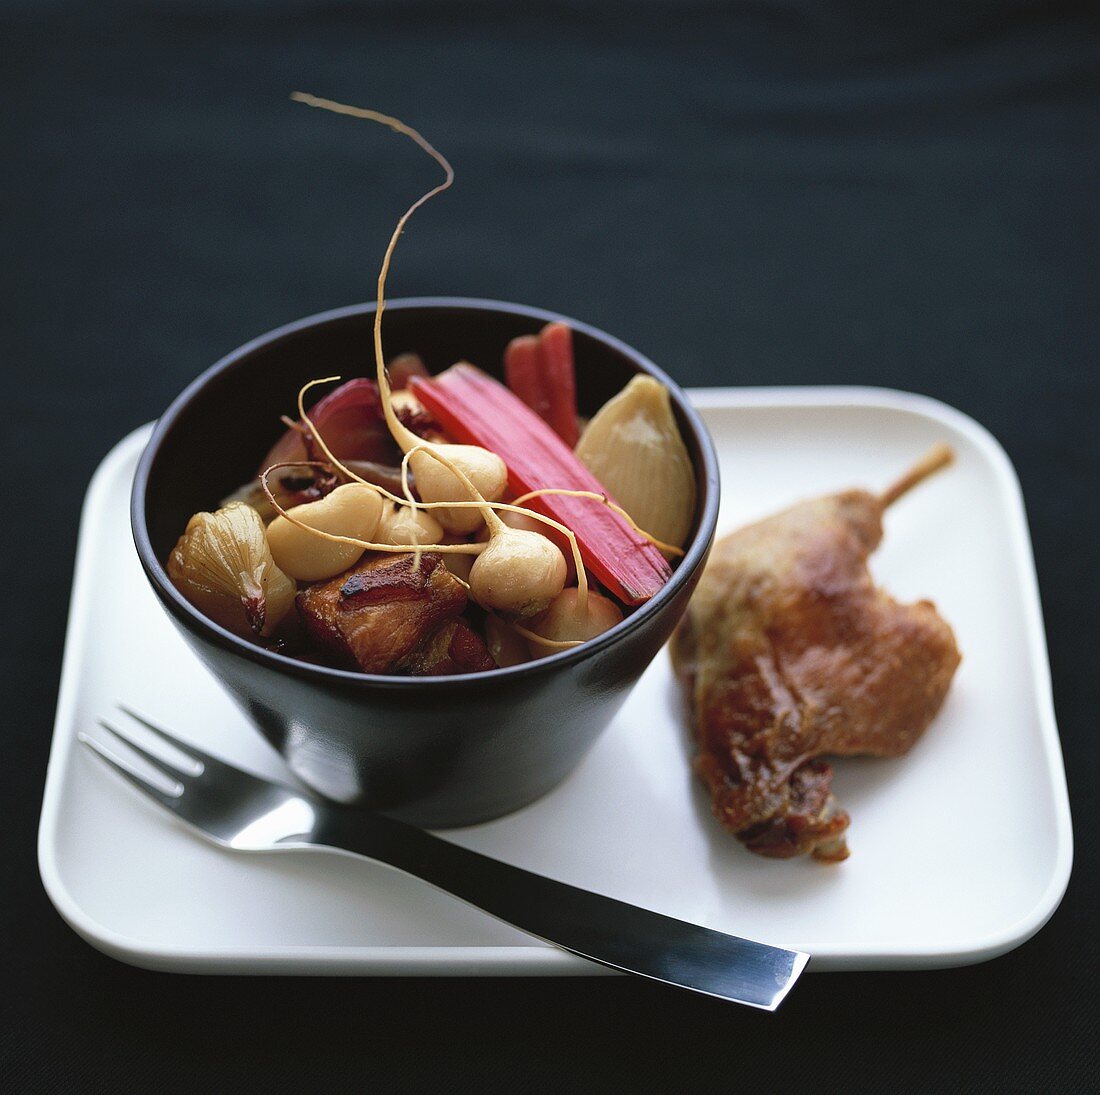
column 775, row 192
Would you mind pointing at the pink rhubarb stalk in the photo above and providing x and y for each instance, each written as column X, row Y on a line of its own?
column 540, row 370
column 476, row 409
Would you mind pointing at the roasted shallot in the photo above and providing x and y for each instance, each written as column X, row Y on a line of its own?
column 633, row 446
column 222, row 564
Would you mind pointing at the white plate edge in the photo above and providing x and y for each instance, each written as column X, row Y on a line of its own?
column 521, row 961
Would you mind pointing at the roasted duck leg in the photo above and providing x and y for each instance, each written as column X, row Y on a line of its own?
column 789, row 651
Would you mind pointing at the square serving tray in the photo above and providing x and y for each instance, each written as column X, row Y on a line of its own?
column 960, row 851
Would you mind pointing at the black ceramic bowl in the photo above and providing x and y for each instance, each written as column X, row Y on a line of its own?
column 437, row 751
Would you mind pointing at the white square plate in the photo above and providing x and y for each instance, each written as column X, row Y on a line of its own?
column 960, row 850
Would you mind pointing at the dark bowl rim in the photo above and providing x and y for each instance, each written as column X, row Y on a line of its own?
column 191, row 617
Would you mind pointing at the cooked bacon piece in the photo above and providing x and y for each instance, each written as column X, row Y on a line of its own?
column 789, row 651
column 376, row 615
column 454, row 648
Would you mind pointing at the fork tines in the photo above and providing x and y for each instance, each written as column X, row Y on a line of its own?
column 173, row 773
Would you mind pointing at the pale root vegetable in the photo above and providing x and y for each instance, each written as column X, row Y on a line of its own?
column 436, row 482
column 572, row 619
column 518, row 574
column 408, row 526
column 505, row 644
column 223, row 565
column 531, row 524
column 353, row 510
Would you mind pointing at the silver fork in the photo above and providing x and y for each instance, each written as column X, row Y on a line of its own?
column 237, row 810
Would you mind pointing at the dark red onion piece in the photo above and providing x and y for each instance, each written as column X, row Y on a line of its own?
column 350, row 420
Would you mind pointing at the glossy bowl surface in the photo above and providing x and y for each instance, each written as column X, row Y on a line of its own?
column 437, row 751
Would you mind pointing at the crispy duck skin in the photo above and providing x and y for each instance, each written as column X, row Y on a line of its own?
column 789, row 651
column 376, row 616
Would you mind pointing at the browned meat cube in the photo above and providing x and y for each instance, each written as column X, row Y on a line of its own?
column 376, row 615
column 454, row 648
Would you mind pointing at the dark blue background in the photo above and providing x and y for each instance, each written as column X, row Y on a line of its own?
column 751, row 193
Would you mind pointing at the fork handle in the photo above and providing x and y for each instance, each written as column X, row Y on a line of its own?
column 601, row 929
